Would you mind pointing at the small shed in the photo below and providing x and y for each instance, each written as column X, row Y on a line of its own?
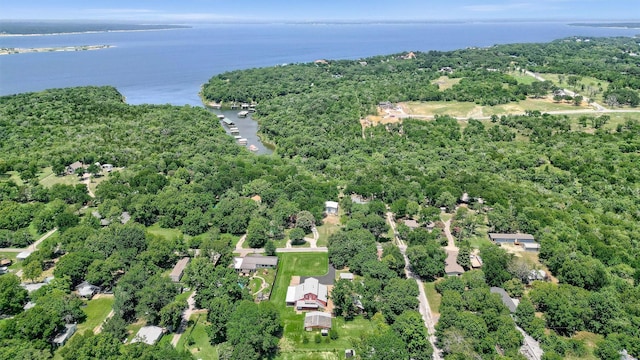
column 531, row 247
column 148, row 335
column 71, row 169
column 411, row 224
column 61, row 338
column 86, row 290
column 346, row 276
column 23, row 255
column 317, row 320
column 349, row 353
column 331, row 208
column 178, row 270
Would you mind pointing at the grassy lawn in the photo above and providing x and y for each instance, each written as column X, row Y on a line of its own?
column 324, row 231
column 300, row 264
column 49, row 179
column 155, row 229
column 196, row 340
column 615, row 119
column 96, row 310
column 522, row 78
column 433, row 296
column 472, row 110
column 269, row 275
column 444, row 82
column 590, row 340
column 586, row 81
column 292, row 344
column 445, row 217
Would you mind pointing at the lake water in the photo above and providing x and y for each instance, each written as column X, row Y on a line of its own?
column 170, row 66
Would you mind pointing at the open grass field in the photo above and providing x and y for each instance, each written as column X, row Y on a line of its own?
column 472, row 110
column 433, row 296
column 155, row 229
column 324, row 231
column 590, row 340
column 583, row 87
column 51, row 179
column 444, row 82
column 196, row 340
column 296, row 264
column 292, row 345
column 96, row 310
column 522, row 78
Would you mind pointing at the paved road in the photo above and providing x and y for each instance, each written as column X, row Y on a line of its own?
column 425, row 309
column 451, row 244
column 186, row 315
column 33, row 247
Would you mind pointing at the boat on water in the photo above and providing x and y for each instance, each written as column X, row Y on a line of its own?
column 242, row 141
column 243, row 113
column 253, row 147
column 220, row 117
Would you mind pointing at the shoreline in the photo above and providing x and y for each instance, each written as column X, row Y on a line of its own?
column 16, row 51
column 89, row 32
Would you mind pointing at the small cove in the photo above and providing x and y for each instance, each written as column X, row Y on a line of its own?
column 248, row 129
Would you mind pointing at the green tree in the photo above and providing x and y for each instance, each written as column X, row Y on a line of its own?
column 305, row 221
column 410, row 328
column 385, row 346
column 495, row 262
column 257, row 232
column 12, row 295
column 270, row 248
column 255, row 327
column 171, row 314
column 343, row 297
column 296, row 235
column 427, row 261
column 32, row 270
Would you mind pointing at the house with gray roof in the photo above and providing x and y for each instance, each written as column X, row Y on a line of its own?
column 451, row 267
column 148, row 335
column 506, row 299
column 249, row 264
column 61, row 338
column 310, row 295
column 511, row 238
column 178, row 270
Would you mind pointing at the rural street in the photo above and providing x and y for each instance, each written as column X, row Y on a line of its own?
column 425, row 309
column 33, row 247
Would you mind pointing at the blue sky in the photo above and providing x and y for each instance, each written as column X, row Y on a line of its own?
column 309, row 10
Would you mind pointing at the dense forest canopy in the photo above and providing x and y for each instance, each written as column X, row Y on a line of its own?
column 575, row 187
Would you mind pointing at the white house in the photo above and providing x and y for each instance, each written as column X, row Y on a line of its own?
column 331, row 208
column 148, row 335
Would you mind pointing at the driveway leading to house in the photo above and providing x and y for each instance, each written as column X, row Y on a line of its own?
column 327, row 279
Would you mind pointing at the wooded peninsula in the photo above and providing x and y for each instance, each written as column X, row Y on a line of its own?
column 489, row 193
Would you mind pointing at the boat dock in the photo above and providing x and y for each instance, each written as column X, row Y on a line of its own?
column 228, row 122
column 243, row 113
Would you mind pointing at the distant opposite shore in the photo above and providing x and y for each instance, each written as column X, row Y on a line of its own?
column 613, row 25
column 13, row 51
column 33, row 28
